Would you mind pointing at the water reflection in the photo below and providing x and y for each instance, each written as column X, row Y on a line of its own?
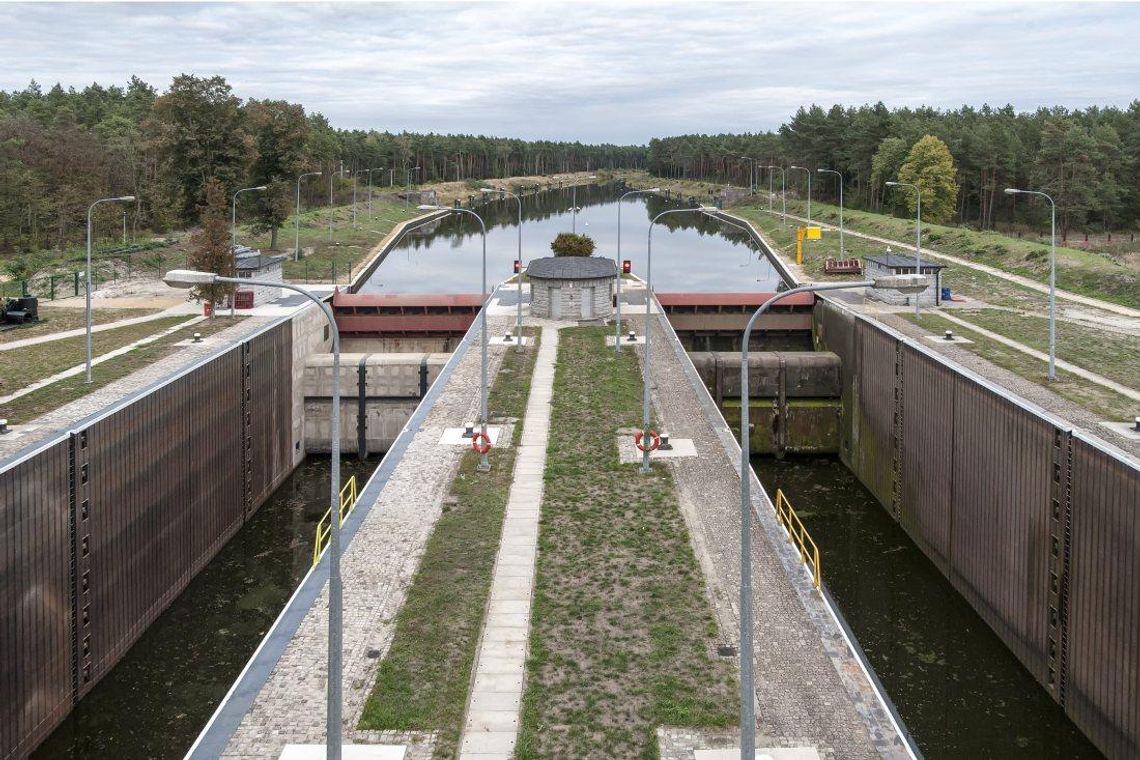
column 957, row 687
column 691, row 252
column 156, row 700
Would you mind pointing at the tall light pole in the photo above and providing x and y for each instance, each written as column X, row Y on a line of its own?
column 1052, row 275
column 373, row 169
column 233, row 219
column 808, row 173
column 842, row 253
column 917, row 234
column 297, row 216
column 518, row 322
column 903, row 283
column 648, row 330
column 484, row 463
column 332, row 176
column 751, row 174
column 783, row 194
column 182, row 278
column 617, row 320
column 87, row 275
column 408, row 183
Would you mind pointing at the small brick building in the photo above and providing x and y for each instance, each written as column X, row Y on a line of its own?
column 572, row 287
column 258, row 267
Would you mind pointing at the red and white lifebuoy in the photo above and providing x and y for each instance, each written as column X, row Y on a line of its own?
column 484, row 447
column 654, row 441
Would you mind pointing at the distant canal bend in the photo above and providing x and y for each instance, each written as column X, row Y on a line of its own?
column 157, row 699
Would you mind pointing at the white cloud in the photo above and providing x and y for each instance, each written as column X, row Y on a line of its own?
column 589, row 71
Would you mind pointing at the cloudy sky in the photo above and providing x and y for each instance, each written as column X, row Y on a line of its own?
column 612, row 72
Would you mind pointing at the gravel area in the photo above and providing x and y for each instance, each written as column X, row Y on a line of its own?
column 377, row 568
column 810, row 688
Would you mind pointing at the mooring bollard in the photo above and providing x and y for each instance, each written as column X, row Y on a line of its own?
column 949, row 335
column 468, row 429
column 197, row 337
column 4, row 425
column 632, row 336
column 665, row 445
column 507, row 337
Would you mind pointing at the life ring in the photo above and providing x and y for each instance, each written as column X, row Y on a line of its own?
column 481, row 448
column 654, row 440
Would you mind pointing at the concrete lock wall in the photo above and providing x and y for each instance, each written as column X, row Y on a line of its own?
column 391, row 388
column 570, row 294
column 1033, row 522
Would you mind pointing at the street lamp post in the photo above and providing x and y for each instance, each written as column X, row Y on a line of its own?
column 233, row 219
column 648, row 306
column 617, row 318
column 904, row 283
column 484, row 463
column 808, row 173
column 783, row 194
column 917, row 234
column 373, row 169
column 408, row 183
column 297, row 216
column 1052, row 275
column 87, row 275
column 769, row 168
column 751, row 174
column 182, row 278
column 332, row 176
column 518, row 323
column 842, row 253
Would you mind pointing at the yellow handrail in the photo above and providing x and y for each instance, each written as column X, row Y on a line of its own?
column 798, row 535
column 324, row 525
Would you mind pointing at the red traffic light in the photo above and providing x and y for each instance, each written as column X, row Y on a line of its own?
column 626, row 266
column 518, row 266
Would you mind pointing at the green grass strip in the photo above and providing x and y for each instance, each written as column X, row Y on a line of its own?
column 621, row 632
column 423, row 681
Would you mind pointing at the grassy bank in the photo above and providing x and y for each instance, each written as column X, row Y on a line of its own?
column 55, row 320
column 423, row 680
column 621, row 634
column 32, row 405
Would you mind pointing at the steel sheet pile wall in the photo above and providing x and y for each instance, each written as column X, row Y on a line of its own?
column 35, row 594
column 1103, row 647
column 1034, row 525
column 104, row 528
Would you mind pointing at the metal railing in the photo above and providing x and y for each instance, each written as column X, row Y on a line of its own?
column 324, row 525
column 798, row 535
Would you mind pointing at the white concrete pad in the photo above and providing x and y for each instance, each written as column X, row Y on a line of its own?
column 348, row 752
column 957, row 339
column 628, row 453
column 762, row 753
column 499, row 340
column 625, row 341
column 488, row 741
column 454, row 436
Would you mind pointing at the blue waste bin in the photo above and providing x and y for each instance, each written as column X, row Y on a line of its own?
column 945, row 294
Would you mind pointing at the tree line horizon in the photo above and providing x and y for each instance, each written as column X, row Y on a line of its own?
column 64, row 148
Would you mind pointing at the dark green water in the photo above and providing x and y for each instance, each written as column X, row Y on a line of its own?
column 160, row 695
column 961, row 693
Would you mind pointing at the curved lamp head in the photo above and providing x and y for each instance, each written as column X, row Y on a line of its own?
column 892, row 184
column 188, row 278
column 125, row 198
column 903, row 283
column 1013, row 191
column 652, row 190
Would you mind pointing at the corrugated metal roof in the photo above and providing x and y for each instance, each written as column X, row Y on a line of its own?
column 572, row 268
column 407, row 299
column 257, row 262
column 731, row 299
column 901, row 261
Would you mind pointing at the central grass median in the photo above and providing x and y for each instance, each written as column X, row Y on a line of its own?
column 621, row 634
column 423, row 680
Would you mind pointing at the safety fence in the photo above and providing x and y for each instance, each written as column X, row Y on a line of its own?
column 798, row 535
column 324, row 525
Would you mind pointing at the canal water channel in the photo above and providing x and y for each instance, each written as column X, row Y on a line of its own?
column 156, row 700
column 958, row 689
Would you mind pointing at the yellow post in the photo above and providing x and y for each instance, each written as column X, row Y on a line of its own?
column 799, row 245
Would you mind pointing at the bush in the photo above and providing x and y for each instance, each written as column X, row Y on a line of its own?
column 569, row 244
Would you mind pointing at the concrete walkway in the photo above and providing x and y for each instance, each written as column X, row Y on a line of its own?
column 1092, row 377
column 492, row 722
column 1025, row 282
